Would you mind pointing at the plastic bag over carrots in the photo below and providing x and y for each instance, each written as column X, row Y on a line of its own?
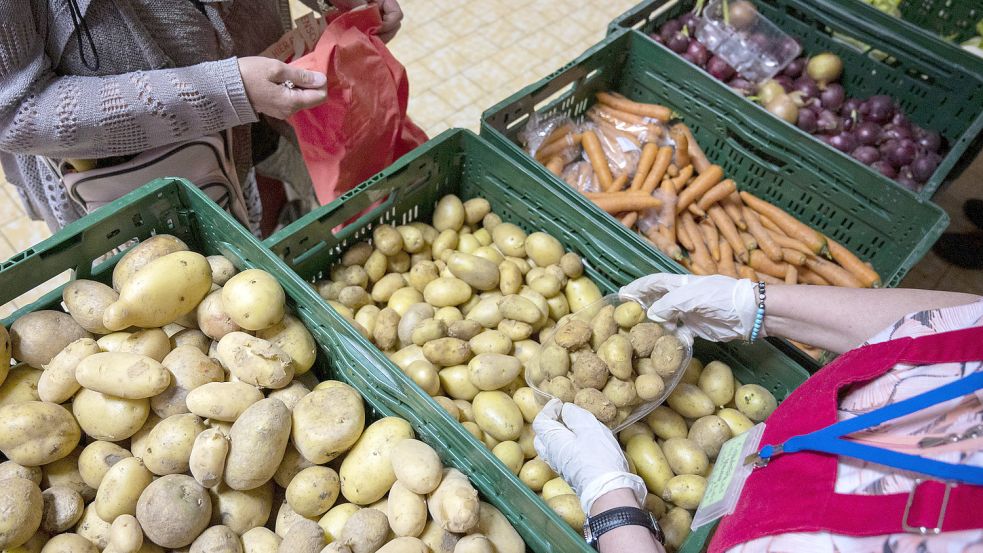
column 362, row 127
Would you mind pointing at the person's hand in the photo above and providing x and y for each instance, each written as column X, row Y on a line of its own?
column 718, row 308
column 392, row 15
column 584, row 452
column 263, row 80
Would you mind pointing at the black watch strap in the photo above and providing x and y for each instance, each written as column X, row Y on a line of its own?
column 597, row 526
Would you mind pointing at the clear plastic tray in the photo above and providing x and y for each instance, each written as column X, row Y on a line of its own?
column 748, row 41
column 670, row 380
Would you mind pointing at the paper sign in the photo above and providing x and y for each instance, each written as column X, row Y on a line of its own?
column 728, row 477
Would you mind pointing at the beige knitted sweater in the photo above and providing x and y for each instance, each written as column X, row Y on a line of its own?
column 167, row 72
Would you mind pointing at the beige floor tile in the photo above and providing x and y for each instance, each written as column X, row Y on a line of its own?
column 6, row 250
column 407, row 49
column 428, row 110
column 433, row 34
column 459, row 92
column 468, row 117
column 489, row 75
column 22, row 233
column 421, row 78
column 10, row 206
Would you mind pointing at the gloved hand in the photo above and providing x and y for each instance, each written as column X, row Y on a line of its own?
column 718, row 308
column 584, row 451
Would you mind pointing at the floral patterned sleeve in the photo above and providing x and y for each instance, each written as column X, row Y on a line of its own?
column 862, row 478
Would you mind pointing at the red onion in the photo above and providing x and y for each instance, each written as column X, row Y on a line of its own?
column 719, row 68
column 742, row 85
column 828, row 121
column 880, row 108
column 866, row 154
column 833, row 97
column 806, row 86
column 795, row 68
column 903, row 154
column 787, row 83
column 928, row 140
column 907, row 180
column 808, row 121
column 844, row 142
column 923, row 167
column 868, row 133
column 670, row 28
column 885, row 168
column 678, row 43
column 697, row 53
column 901, row 120
column 897, row 133
column 687, row 19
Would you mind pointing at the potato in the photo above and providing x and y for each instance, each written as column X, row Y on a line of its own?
column 125, row 534
column 597, row 404
column 139, row 440
column 36, row 433
column 62, row 508
column 643, row 337
column 354, row 297
column 543, row 249
column 143, row 253
column 561, row 388
column 10, row 469
column 161, row 291
column 616, row 352
column 477, row 272
column 629, row 314
column 404, row 298
column 304, row 536
column 293, row 462
column 367, row 471
column 57, row 383
column 493, row 525
column 365, row 531
column 189, row 369
column 632, row 430
column 407, row 511
column 667, row 356
column 685, row 490
column 255, row 361
column 413, row 241
column 518, row 308
column 93, row 528
column 285, row 518
column 416, row 466
column 581, row 292
column 257, row 443
column 447, row 291
column 497, row 415
column 491, row 371
column 110, row 418
column 548, row 286
column 69, row 543
column 174, row 510
column 207, row 459
column 241, row 510
column 572, row 335
column 253, row 299
column 384, row 335
column 509, row 239
column 446, row 241
column 649, row 387
column 151, row 342
column 754, row 401
column 690, row 401
column 386, row 287
column 569, row 509
column 510, row 277
column 685, row 456
column 454, row 504
column 375, row 265
column 717, row 382
column 170, row 444
column 736, row 421
column 447, row 352
column 213, row 320
column 333, row 522
column 65, row 473
column 121, row 487
column 710, row 433
column 486, row 313
column 621, row 393
column 260, row 540
column 86, row 300
column 327, row 422
column 650, row 462
column 428, row 330
column 589, row 371
column 528, row 403
column 407, row 356
column 425, row 376
column 37, row 337
column 475, row 210
column 556, row 486
column 222, row 269
column 666, row 423
column 535, row 473
column 223, row 401
column 293, row 338
column 421, row 274
column 449, row 213
column 217, row 539
column 367, row 317
column 313, row 491
column 123, row 375
column 675, row 524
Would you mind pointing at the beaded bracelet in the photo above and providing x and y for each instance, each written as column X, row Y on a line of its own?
column 759, row 316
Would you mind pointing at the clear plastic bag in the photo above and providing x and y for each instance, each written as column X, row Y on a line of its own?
column 580, row 175
column 749, row 42
column 542, row 131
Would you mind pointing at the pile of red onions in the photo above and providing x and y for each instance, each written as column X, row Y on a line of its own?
column 873, row 130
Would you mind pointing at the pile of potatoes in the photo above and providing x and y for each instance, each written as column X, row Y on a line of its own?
column 175, row 411
column 609, row 362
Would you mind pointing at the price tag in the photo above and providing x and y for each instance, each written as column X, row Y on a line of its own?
column 728, row 477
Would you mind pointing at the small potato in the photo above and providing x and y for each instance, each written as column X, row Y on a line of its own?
column 416, row 466
column 37, row 337
column 174, row 510
column 454, row 505
column 357, row 254
column 528, row 403
column 456, row 382
column 106, row 417
column 241, row 510
column 410, row 319
column 143, row 253
column 333, row 522
column 189, row 369
column 125, row 534
column 293, row 462
column 257, row 441
column 86, row 300
column 93, row 528
column 10, row 469
column 407, row 511
column 124, row 375
column 448, row 214
column 474, row 430
column 629, row 314
column 480, row 273
column 217, row 539
column 597, row 404
column 260, row 540
column 151, row 342
column 543, row 249
column 404, row 298
column 493, row 525
column 120, row 489
column 556, row 486
column 449, row 315
column 685, row 456
column 367, row 316
column 710, row 433
column 622, row 393
column 222, row 269
column 421, row 274
column 413, row 241
column 399, row 263
column 62, row 509
column 96, row 460
column 138, row 442
column 490, row 341
column 367, row 471
column 293, row 338
column 589, row 371
column 491, row 371
column 254, row 299
column 446, row 241
column 475, row 210
column 643, row 337
column 386, row 287
column 498, row 415
column 447, row 291
column 207, row 460
column 569, row 509
column 385, row 332
column 573, row 335
column 602, row 326
column 191, row 337
column 581, row 292
column 561, row 388
column 717, row 382
column 515, row 330
column 736, row 421
column 558, row 306
column 365, row 531
column 57, row 383
column 535, row 473
column 213, row 320
column 69, row 543
column 518, row 308
column 170, row 443
column 464, row 407
column 34, row 433
column 313, row 491
column 685, row 490
column 224, row 401
column 354, row 297
column 447, row 352
column 490, row 221
column 387, row 240
column 510, row 454
column 676, row 526
column 255, row 361
column 474, row 543
column 285, row 518
column 572, row 265
column 650, row 462
column 754, row 401
column 486, row 313
column 428, row 330
column 291, row 394
column 425, row 376
column 375, row 265
column 690, row 401
column 510, row 277
column 616, row 352
column 510, row 239
column 546, row 285
column 666, row 423
column 692, row 373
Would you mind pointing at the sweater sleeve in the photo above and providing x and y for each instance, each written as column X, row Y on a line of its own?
column 42, row 113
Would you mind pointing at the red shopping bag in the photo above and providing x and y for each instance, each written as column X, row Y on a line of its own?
column 362, row 127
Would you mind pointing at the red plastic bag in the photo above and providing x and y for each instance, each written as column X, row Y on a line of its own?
column 362, row 127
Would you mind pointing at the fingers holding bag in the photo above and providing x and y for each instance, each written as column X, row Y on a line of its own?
column 280, row 90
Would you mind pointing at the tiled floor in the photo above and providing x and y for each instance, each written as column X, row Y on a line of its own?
column 465, row 56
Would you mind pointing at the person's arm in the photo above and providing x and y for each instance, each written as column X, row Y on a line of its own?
column 42, row 113
column 624, row 538
column 840, row 319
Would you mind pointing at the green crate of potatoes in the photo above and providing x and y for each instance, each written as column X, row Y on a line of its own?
column 955, row 20
column 937, row 85
column 457, row 162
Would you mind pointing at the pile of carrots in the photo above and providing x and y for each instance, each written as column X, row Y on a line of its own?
column 704, row 222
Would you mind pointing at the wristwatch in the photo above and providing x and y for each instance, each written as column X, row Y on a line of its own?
column 596, row 526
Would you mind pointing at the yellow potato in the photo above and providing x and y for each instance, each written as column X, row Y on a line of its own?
column 255, row 361
column 258, row 440
column 93, row 528
column 293, row 462
column 556, row 486
column 125, row 534
column 446, row 241
column 366, row 530
column 518, row 308
column 10, row 469
column 57, row 383
column 37, row 337
column 689, row 401
column 143, row 253
column 160, row 292
column 447, row 352
column 676, row 526
column 477, row 272
column 241, row 510
column 498, row 415
column 21, row 503
column 493, row 525
column 717, row 382
column 666, row 423
column 755, row 401
column 449, row 213
column 69, row 543
column 535, row 473
column 710, row 433
column 475, row 210
column 425, row 376
column 121, row 488
column 216, row 538
column 510, row 454
column 260, row 540
column 189, row 369
column 581, row 292
column 62, row 509
column 402, row 299
column 254, row 299
column 333, row 522
column 569, row 509
column 685, row 456
column 223, row 401
column 486, row 313
column 291, row 336
column 413, row 241
column 151, row 342
column 416, row 466
column 124, row 375
column 509, row 239
column 491, row 371
column 454, row 505
column 170, row 442
column 86, row 300
column 313, row 491
column 207, row 459
column 174, row 510
column 447, row 291
column 212, row 318
column 650, row 462
column 407, row 511
column 35, row 433
column 736, row 421
column 367, row 471
column 327, row 422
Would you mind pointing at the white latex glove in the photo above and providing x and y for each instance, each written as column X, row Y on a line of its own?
column 584, row 452
column 717, row 308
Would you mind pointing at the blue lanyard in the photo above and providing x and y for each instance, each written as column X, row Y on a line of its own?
column 829, row 439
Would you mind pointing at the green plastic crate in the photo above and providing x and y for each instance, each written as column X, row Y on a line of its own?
column 939, row 86
column 952, row 19
column 458, row 162
column 172, row 206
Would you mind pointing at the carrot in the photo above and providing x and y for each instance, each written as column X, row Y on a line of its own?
column 770, row 225
column 620, row 117
column 699, row 187
column 654, row 111
column 790, row 243
column 668, row 212
column 717, row 193
column 761, row 235
column 791, row 275
column 618, row 183
column 761, row 263
column 727, row 229
column 794, row 257
column 712, row 238
column 616, row 202
column 610, row 128
column 667, row 246
column 744, row 271
column 863, row 272
column 749, row 242
column 682, row 146
column 696, row 211
column 644, row 165
column 544, row 153
column 836, row 275
column 732, row 205
column 557, row 134
column 595, row 153
column 696, row 155
column 808, row 277
column 726, row 265
column 555, row 165
column 672, row 170
column 790, row 225
column 767, row 279
column 702, row 270
column 662, row 159
column 685, row 174
column 811, row 351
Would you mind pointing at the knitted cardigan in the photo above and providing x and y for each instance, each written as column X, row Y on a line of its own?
column 166, row 73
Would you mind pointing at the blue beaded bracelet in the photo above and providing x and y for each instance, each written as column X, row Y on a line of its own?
column 759, row 316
